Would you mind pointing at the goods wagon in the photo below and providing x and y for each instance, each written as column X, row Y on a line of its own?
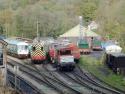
column 115, row 60
column 84, row 47
column 96, row 44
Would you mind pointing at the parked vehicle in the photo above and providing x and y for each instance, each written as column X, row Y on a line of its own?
column 17, row 48
column 115, row 61
column 63, row 58
column 84, row 47
column 75, row 52
column 38, row 53
column 96, row 44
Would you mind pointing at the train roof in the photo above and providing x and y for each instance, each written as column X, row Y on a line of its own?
column 37, row 44
column 15, row 42
column 62, row 47
column 118, row 54
column 113, row 49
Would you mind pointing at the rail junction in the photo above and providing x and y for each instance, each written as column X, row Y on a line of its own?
column 45, row 79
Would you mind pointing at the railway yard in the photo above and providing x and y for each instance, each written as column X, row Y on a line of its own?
column 62, row 47
column 43, row 79
column 56, row 68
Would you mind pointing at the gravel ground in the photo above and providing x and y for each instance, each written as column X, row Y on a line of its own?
column 97, row 54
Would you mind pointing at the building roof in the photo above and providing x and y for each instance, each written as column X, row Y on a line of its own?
column 74, row 32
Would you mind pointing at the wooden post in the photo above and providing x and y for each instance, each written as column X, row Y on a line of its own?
column 15, row 70
column 5, row 64
column 4, row 48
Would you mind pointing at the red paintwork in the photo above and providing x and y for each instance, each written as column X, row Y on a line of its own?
column 75, row 50
column 38, row 57
column 52, row 52
column 97, row 47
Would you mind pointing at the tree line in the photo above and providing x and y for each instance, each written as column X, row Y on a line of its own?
column 19, row 17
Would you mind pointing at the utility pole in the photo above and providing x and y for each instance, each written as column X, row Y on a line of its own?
column 38, row 37
column 80, row 28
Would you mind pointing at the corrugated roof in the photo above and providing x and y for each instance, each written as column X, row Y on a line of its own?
column 74, row 32
column 14, row 42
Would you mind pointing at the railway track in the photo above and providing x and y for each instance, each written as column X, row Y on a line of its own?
column 84, row 83
column 70, row 83
column 83, row 74
column 40, row 77
column 46, row 74
column 39, row 80
column 55, row 79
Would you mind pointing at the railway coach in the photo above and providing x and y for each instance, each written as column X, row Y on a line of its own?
column 17, row 48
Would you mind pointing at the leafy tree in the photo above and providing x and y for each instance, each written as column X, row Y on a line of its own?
column 88, row 9
column 111, row 19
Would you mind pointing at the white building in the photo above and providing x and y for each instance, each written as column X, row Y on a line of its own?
column 92, row 25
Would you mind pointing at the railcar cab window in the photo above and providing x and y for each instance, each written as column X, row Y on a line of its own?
column 33, row 48
column 26, row 47
column 23, row 47
column 65, row 52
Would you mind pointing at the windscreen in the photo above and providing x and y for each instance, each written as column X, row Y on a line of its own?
column 23, row 47
column 65, row 52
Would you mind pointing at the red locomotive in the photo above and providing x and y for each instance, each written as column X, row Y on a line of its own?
column 75, row 52
column 38, row 53
column 64, row 55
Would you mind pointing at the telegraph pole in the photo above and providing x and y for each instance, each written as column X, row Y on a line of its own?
column 38, row 37
column 80, row 28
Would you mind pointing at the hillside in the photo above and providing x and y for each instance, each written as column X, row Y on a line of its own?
column 19, row 17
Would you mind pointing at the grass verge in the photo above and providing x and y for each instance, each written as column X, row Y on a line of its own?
column 102, row 72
